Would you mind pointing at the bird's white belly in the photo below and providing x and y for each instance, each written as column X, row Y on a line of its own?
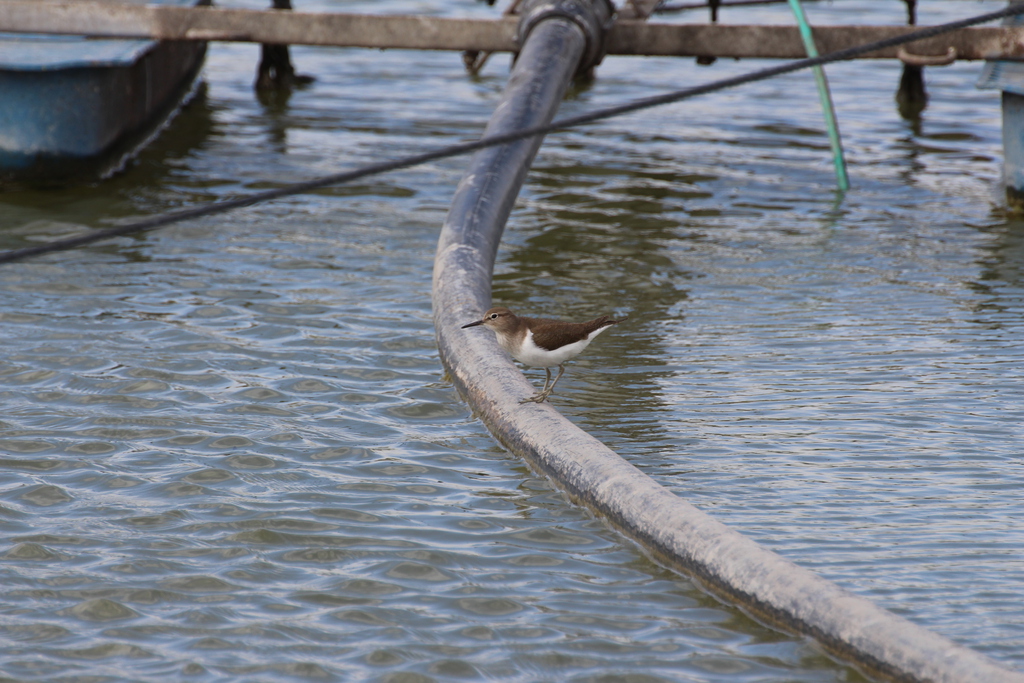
column 536, row 357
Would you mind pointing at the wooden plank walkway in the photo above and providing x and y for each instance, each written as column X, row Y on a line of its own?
column 627, row 37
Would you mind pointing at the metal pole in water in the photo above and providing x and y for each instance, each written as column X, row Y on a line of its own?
column 275, row 70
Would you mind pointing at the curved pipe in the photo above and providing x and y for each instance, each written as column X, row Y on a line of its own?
column 763, row 584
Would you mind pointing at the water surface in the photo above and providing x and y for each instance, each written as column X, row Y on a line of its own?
column 229, row 451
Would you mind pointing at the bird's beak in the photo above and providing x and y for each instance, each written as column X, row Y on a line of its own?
column 478, row 322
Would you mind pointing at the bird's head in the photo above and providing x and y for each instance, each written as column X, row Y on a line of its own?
column 499, row 319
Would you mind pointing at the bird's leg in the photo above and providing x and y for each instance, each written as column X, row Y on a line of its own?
column 561, row 369
column 546, row 391
column 547, row 378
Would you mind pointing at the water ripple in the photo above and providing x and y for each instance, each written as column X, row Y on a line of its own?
column 228, row 451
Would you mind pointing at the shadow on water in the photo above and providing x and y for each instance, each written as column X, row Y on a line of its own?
column 187, row 133
column 275, row 103
column 1001, row 263
column 275, row 110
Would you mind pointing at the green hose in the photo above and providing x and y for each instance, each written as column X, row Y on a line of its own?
column 826, row 97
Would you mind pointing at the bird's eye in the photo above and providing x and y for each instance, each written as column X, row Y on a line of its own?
column 494, row 316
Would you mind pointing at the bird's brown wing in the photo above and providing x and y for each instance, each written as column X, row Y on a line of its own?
column 553, row 334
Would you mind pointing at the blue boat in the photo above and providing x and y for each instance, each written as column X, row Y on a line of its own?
column 75, row 108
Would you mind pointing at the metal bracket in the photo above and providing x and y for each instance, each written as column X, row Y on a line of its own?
column 927, row 60
column 594, row 17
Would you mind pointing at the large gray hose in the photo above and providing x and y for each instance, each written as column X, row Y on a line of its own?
column 768, row 587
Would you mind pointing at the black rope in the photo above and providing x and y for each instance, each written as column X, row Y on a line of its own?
column 664, row 9
column 466, row 147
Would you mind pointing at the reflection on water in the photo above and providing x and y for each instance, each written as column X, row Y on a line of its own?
column 227, row 450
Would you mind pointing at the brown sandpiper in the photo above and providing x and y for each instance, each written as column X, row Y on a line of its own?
column 542, row 342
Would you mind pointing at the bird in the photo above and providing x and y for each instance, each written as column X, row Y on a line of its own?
column 542, row 342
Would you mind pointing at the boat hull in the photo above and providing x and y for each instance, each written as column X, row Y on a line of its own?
column 67, row 121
